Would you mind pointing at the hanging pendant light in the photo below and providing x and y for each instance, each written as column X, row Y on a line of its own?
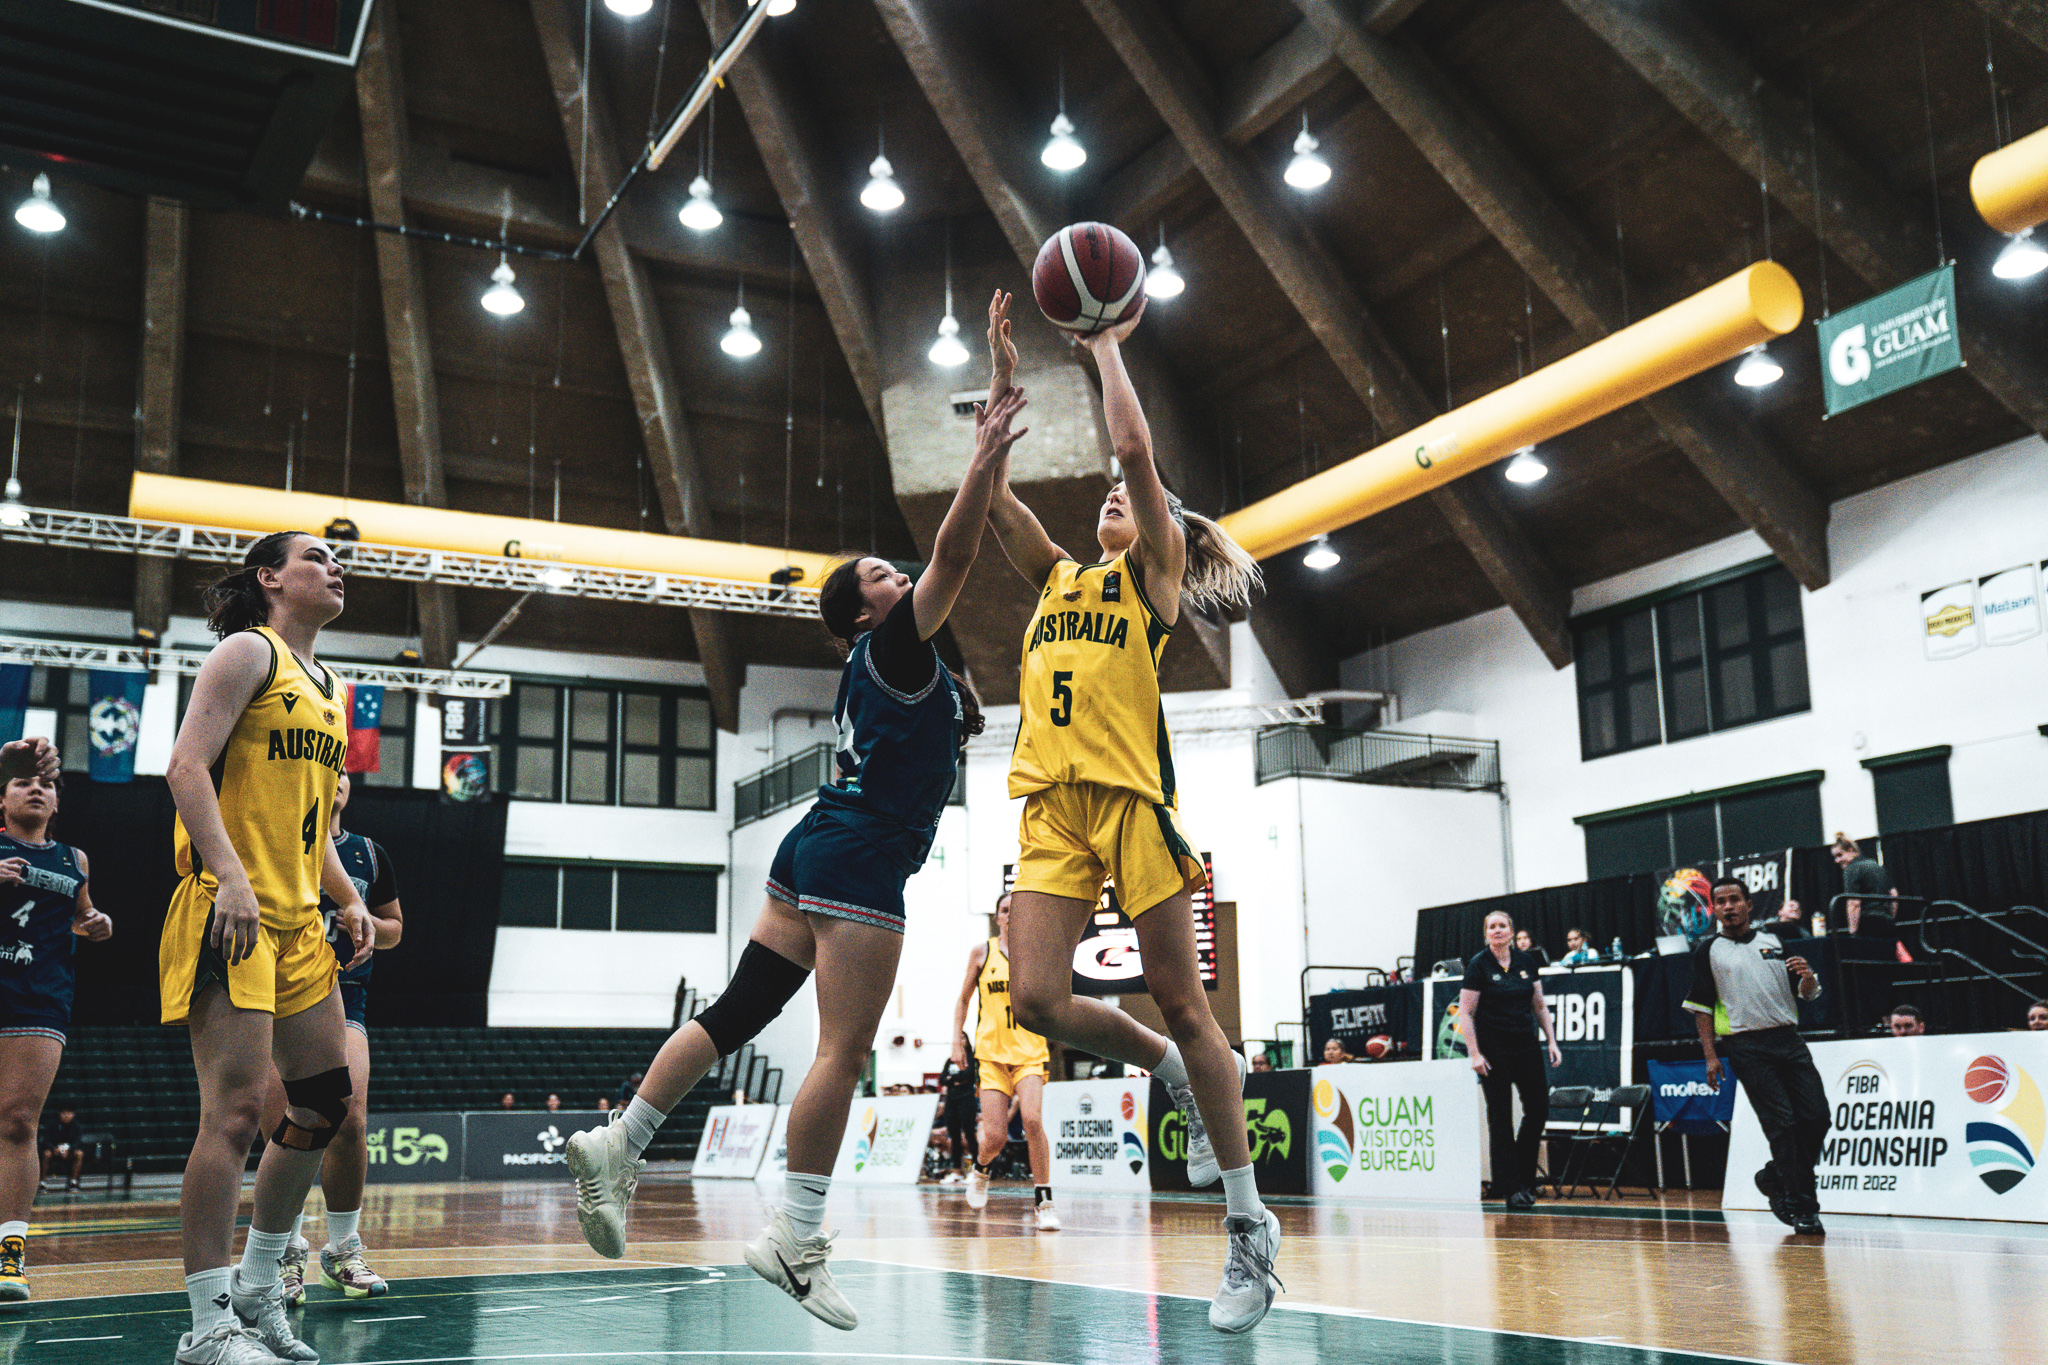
column 698, row 213
column 1063, row 153
column 740, row 340
column 2022, row 258
column 501, row 298
column 1306, row 171
column 38, row 213
column 947, row 350
column 1162, row 281
column 1526, row 467
column 629, row 9
column 883, row 194
column 12, row 511
column 1758, row 370
column 1321, row 555
column 775, row 7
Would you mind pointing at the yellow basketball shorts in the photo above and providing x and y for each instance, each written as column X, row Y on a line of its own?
column 289, row 971
column 1004, row 1077
column 1075, row 834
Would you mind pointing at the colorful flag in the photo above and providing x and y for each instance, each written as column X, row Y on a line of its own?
column 114, row 722
column 13, row 700
column 365, row 715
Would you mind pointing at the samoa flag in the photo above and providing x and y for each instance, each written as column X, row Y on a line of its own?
column 365, row 715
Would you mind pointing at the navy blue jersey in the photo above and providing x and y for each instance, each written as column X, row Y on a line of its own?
column 899, row 717
column 35, row 925
column 369, row 868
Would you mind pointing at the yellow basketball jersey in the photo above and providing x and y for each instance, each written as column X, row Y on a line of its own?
column 996, row 1035
column 276, row 780
column 1088, row 693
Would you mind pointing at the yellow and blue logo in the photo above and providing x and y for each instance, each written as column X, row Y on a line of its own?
column 1336, row 1137
column 866, row 1146
column 2003, row 1150
column 1134, row 1132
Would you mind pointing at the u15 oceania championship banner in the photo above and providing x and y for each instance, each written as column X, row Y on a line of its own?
column 1099, row 1133
column 1940, row 1126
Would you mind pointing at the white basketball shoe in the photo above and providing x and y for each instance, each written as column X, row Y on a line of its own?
column 605, row 1178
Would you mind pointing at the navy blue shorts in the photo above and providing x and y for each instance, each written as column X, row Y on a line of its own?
column 824, row 868
column 355, row 1005
column 30, row 1013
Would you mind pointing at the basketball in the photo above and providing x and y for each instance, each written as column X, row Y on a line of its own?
column 1986, row 1079
column 1089, row 277
column 1378, row 1046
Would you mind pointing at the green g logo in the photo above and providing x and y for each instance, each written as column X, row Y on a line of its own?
column 1173, row 1136
column 1422, row 457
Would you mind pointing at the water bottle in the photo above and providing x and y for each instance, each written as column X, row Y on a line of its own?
column 1614, row 953
column 1820, row 924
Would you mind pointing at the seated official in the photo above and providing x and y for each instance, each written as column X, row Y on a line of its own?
column 1528, row 945
column 2037, row 1016
column 1262, row 1061
column 1577, row 952
column 1333, row 1053
column 1906, row 1021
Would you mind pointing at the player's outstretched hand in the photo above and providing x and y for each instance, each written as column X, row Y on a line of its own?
column 1113, row 336
column 992, row 435
column 33, row 757
column 1002, row 352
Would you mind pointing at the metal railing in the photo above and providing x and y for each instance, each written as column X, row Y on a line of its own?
column 1380, row 757
column 794, row 780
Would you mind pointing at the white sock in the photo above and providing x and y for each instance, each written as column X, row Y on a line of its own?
column 299, row 1232
column 341, row 1227
column 641, row 1121
column 17, row 1228
column 208, row 1291
column 803, row 1203
column 1171, row 1068
column 259, row 1257
column 1241, row 1194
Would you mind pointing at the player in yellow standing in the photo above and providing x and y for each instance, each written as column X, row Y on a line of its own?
column 1012, row 1063
column 1094, row 764
column 244, row 960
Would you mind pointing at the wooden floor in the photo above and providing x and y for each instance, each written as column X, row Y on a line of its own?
column 500, row 1271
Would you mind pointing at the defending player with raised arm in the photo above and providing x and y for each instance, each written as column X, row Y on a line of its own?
column 1095, row 765
column 835, row 891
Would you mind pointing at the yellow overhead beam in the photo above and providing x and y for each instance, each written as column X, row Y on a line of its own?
column 242, row 507
column 1753, row 305
column 2011, row 184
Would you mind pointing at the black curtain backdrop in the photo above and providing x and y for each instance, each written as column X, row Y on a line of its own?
column 1611, row 907
column 450, row 859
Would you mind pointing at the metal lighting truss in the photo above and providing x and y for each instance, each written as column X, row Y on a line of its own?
column 1206, row 720
column 16, row 649
column 213, row 544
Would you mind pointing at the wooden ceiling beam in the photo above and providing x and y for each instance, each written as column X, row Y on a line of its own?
column 166, row 248
column 1765, row 131
column 380, row 97
column 800, row 166
column 643, row 345
column 2024, row 17
column 1158, row 59
column 1583, row 284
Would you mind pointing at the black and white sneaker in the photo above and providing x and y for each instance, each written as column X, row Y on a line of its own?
column 796, row 1266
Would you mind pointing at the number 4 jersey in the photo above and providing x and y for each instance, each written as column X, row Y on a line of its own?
column 276, row 779
column 1088, row 694
column 35, row 933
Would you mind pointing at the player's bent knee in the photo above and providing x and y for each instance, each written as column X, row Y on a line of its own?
column 17, row 1130
column 326, row 1096
column 761, row 985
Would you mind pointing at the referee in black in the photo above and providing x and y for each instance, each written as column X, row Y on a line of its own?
column 1741, row 997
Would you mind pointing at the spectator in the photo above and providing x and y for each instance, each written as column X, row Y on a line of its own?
column 1577, row 952
column 554, row 1103
column 623, row 1096
column 1863, row 876
column 1333, row 1053
column 2037, row 1016
column 1788, row 911
column 508, row 1102
column 1907, row 1021
column 604, row 1104
column 63, row 1147
column 1528, row 945
column 1262, row 1061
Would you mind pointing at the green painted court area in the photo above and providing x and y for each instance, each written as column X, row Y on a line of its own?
column 693, row 1313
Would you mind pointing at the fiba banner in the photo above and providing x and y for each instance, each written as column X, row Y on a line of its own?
column 520, row 1146
column 414, row 1148
column 735, row 1140
column 1939, row 1126
column 1396, row 1131
column 885, row 1139
column 1276, row 1120
column 1593, row 1011
column 1100, row 1134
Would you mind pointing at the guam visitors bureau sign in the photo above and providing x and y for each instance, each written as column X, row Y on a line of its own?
column 1396, row 1130
column 1948, row 1126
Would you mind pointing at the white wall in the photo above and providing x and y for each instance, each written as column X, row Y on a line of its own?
column 1873, row 691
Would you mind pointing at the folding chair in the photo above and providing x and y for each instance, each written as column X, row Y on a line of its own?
column 1564, row 1097
column 1598, row 1123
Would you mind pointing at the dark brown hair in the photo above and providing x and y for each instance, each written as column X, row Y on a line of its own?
column 840, row 603
column 236, row 601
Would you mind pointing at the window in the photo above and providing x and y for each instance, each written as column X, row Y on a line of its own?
column 1706, row 656
column 607, row 746
column 1705, row 827
column 67, row 693
column 643, row 897
column 1912, row 790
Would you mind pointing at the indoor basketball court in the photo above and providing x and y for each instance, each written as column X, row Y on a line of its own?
column 723, row 679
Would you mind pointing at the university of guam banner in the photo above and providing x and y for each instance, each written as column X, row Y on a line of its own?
column 1890, row 342
column 114, row 723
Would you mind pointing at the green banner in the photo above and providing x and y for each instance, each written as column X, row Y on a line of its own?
column 1891, row 342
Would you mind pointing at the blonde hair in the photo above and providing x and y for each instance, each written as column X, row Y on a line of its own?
column 1847, row 845
column 1220, row 572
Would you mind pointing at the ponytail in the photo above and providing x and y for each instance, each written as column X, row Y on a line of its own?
column 237, row 601
column 1220, row 572
column 972, row 722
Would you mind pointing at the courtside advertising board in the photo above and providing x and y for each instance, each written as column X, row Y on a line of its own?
column 885, row 1139
column 1098, row 1133
column 1396, row 1130
column 736, row 1138
column 1939, row 1126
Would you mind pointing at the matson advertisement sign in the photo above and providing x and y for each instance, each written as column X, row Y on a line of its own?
column 1098, row 1131
column 1947, row 1126
column 1396, row 1130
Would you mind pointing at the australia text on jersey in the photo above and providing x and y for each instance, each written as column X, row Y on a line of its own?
column 1096, row 627
column 316, row 745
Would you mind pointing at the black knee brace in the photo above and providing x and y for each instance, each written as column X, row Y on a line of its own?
column 763, row 983
column 326, row 1095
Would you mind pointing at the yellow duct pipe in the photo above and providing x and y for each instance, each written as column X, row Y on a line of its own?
column 241, row 507
column 2011, row 184
column 1753, row 305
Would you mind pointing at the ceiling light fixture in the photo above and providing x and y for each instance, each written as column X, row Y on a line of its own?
column 1321, row 555
column 1758, row 370
column 1526, row 467
column 947, row 350
column 1306, row 171
column 501, row 298
column 629, row 9
column 37, row 212
column 775, row 7
column 698, row 213
column 882, row 194
column 1063, row 153
column 557, row 577
column 12, row 511
column 2022, row 259
column 1162, row 281
column 740, row 340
